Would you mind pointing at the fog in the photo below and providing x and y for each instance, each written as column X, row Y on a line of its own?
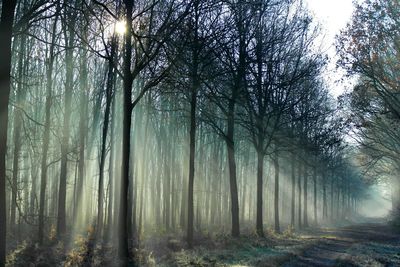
column 131, row 131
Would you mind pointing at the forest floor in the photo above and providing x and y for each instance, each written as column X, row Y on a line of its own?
column 366, row 244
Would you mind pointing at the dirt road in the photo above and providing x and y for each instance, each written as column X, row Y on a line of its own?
column 357, row 245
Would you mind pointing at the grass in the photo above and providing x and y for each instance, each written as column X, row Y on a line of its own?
column 219, row 250
column 247, row 250
column 372, row 254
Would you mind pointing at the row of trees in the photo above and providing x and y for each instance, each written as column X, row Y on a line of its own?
column 369, row 48
column 138, row 116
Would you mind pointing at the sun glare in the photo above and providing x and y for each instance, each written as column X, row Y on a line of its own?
column 120, row 27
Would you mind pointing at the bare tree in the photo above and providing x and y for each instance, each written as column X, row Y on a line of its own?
column 6, row 24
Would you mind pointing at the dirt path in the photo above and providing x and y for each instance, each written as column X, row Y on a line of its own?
column 357, row 245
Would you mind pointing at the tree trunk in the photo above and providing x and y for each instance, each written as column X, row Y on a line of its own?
column 332, row 201
column 192, row 133
column 183, row 214
column 46, row 134
column 126, row 144
column 69, row 83
column 6, row 22
column 260, row 167
column 83, row 118
column 166, row 161
column 167, row 185
column 299, row 197
column 106, row 121
column 110, row 215
column 292, row 218
column 324, row 204
column 276, row 195
column 140, row 223
column 315, row 195
column 305, row 210
column 20, row 95
column 232, row 172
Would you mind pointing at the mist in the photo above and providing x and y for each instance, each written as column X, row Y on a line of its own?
column 194, row 133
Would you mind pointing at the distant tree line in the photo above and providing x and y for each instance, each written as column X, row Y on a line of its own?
column 176, row 115
column 369, row 48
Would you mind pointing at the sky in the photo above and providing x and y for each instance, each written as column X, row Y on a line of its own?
column 332, row 15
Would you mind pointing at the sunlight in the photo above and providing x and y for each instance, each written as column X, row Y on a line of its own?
column 172, row 133
column 120, row 27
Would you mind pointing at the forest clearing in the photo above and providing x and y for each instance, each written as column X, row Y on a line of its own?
column 199, row 133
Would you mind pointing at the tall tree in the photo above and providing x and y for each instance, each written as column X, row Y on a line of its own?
column 277, row 69
column 106, row 121
column 46, row 134
column 69, row 36
column 227, row 91
column 194, row 89
column 150, row 36
column 20, row 98
column 6, row 24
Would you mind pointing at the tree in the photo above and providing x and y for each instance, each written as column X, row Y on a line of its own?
column 69, row 36
column 195, row 46
column 150, row 37
column 277, row 68
column 6, row 24
column 230, row 88
column 226, row 91
column 46, row 134
column 109, row 97
column 369, row 47
column 20, row 99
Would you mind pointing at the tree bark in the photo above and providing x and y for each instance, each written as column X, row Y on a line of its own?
column 123, row 251
column 69, row 84
column 260, row 167
column 83, row 118
column 106, row 122
column 6, row 23
column 195, row 83
column 315, row 196
column 110, row 214
column 20, row 95
column 293, row 202
column 324, row 204
column 232, row 171
column 305, row 210
column 276, row 195
column 192, row 144
column 332, row 201
column 299, row 197
column 46, row 134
